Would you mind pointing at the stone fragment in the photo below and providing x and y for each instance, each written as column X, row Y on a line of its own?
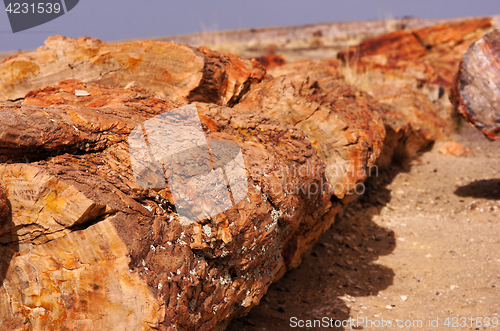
column 270, row 61
column 455, row 149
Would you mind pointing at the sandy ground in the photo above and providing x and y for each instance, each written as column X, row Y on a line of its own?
column 419, row 252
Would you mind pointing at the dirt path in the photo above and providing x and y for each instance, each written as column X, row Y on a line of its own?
column 422, row 245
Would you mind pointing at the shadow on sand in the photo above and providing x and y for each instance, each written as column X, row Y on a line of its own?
column 485, row 189
column 341, row 265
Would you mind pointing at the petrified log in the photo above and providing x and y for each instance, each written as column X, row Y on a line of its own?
column 111, row 255
column 410, row 74
column 477, row 86
column 91, row 236
column 431, row 54
column 166, row 69
column 412, row 121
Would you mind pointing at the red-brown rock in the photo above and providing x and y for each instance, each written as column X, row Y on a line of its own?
column 270, row 61
column 430, row 54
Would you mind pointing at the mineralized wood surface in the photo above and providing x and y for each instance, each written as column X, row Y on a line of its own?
column 342, row 123
column 84, row 246
column 477, row 85
column 183, row 277
column 410, row 72
column 166, row 69
column 431, row 54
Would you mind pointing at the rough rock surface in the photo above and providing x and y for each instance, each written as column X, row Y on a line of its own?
column 344, row 124
column 431, row 54
column 410, row 73
column 100, row 241
column 166, row 69
column 85, row 247
column 477, row 86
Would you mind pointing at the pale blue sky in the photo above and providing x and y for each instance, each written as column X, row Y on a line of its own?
column 120, row 19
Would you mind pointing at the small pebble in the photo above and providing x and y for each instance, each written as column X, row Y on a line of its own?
column 81, row 93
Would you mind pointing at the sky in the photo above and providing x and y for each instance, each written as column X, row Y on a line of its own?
column 122, row 19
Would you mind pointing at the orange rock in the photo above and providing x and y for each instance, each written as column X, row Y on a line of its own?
column 455, row 149
column 166, row 69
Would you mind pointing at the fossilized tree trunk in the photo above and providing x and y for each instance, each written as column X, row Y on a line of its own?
column 87, row 246
column 166, row 69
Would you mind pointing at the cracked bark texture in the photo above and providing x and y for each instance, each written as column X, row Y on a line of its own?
column 84, row 247
column 410, row 73
column 90, row 240
column 168, row 70
column 477, row 85
column 342, row 123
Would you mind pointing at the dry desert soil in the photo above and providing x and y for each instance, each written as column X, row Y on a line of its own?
column 419, row 252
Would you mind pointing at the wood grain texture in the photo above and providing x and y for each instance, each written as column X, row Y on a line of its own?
column 166, row 69
column 85, row 247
